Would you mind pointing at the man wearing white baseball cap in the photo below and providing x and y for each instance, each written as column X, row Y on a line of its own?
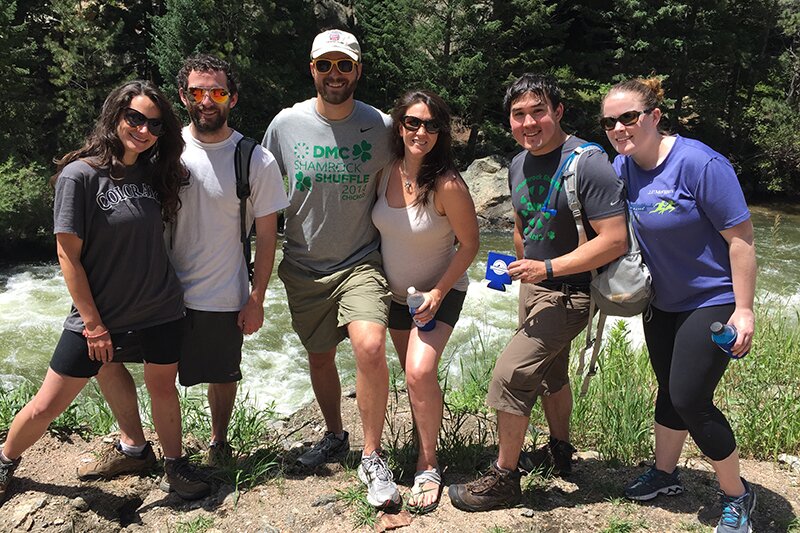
column 332, row 147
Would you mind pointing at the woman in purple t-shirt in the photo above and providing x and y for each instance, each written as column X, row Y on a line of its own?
column 696, row 236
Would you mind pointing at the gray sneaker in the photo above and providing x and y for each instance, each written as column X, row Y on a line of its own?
column 329, row 450
column 381, row 488
column 6, row 473
column 652, row 483
column 736, row 512
column 183, row 478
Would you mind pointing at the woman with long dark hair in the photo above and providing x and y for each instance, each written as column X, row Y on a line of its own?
column 696, row 236
column 429, row 236
column 111, row 198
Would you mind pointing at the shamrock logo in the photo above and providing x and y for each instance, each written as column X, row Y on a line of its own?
column 361, row 151
column 303, row 183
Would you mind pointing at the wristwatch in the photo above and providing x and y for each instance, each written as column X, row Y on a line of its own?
column 548, row 267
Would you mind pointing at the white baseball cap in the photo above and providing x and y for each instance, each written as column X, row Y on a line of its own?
column 336, row 41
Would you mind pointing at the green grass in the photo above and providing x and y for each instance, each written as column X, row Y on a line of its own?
column 355, row 497
column 196, row 525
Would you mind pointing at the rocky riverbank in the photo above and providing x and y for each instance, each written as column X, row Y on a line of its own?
column 46, row 496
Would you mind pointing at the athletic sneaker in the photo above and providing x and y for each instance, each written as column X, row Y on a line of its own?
column 111, row 461
column 496, row 489
column 183, row 478
column 220, row 454
column 6, row 473
column 652, row 483
column 736, row 512
column 381, row 488
column 330, row 449
column 555, row 458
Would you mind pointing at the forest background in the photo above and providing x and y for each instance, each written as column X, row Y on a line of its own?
column 731, row 70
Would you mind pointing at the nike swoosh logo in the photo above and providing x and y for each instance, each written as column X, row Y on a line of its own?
column 614, row 203
column 364, row 130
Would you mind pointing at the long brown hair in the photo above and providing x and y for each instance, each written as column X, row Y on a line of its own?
column 103, row 147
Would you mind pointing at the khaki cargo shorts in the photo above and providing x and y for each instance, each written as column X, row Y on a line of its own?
column 323, row 305
column 536, row 360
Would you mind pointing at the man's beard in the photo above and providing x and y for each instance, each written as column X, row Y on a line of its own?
column 336, row 96
column 208, row 124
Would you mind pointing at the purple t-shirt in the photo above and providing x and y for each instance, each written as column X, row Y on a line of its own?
column 678, row 210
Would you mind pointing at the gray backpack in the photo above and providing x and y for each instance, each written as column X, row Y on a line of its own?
column 621, row 288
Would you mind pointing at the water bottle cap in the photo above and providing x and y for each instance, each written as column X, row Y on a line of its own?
column 717, row 328
column 411, row 290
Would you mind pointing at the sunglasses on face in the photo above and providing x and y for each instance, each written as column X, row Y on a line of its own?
column 217, row 94
column 345, row 66
column 134, row 119
column 628, row 118
column 412, row 123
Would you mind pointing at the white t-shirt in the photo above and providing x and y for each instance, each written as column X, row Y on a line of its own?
column 204, row 241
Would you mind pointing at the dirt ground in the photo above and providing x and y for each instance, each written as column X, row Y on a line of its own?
column 46, row 496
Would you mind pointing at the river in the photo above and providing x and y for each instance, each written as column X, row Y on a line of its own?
column 34, row 302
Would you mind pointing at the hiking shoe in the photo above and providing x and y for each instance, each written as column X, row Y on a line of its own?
column 554, row 458
column 496, row 489
column 6, row 473
column 183, row 478
column 329, row 450
column 652, row 483
column 736, row 512
column 381, row 488
column 111, row 461
column 220, row 454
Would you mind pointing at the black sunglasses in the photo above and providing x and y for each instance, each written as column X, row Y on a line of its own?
column 137, row 120
column 628, row 118
column 412, row 123
column 345, row 66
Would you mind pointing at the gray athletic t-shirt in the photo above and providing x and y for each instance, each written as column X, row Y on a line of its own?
column 547, row 235
column 331, row 166
column 123, row 253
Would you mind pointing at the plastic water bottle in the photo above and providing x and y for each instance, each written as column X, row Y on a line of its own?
column 414, row 300
column 724, row 335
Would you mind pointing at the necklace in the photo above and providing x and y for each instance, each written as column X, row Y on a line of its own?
column 404, row 174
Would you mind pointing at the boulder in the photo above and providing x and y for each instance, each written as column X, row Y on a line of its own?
column 487, row 180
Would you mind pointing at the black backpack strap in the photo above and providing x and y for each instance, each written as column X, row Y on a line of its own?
column 241, row 165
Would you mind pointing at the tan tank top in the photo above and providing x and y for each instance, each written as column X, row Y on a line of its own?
column 417, row 243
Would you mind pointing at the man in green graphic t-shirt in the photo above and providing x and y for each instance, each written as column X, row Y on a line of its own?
column 332, row 148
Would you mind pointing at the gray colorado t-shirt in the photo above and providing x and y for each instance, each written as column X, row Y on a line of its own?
column 331, row 166
column 123, row 253
column 547, row 235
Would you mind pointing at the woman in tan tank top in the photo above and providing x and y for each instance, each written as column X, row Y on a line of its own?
column 429, row 236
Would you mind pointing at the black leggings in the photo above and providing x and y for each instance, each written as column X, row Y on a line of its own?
column 688, row 366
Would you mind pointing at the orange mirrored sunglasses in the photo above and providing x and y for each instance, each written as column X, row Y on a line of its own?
column 217, row 94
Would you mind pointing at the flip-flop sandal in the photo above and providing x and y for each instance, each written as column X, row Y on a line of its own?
column 420, row 478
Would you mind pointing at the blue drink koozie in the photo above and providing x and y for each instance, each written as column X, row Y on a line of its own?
column 497, row 270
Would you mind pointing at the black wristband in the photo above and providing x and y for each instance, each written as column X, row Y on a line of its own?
column 548, row 267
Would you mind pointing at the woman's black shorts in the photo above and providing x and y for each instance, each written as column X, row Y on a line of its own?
column 159, row 345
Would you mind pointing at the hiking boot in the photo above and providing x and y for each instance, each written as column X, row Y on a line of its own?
column 554, row 458
column 183, row 478
column 220, row 454
column 495, row 490
column 381, row 488
column 652, row 483
column 111, row 461
column 329, row 450
column 736, row 512
column 6, row 473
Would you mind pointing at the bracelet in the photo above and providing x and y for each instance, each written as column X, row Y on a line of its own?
column 96, row 336
column 548, row 267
